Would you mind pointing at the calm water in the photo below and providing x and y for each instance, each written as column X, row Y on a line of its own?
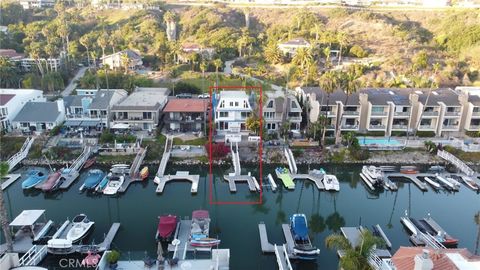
column 236, row 225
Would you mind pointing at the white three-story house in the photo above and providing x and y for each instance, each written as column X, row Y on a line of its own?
column 231, row 112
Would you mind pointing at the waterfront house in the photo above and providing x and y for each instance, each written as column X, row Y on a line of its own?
column 274, row 114
column 40, row 116
column 191, row 48
column 30, row 4
column 426, row 258
column 141, row 109
column 290, row 47
column 123, row 58
column 185, row 115
column 12, row 102
column 91, row 110
column 231, row 112
column 471, row 108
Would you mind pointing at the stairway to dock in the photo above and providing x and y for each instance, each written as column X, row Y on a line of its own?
column 236, row 159
column 291, row 160
column 166, row 156
column 73, row 171
column 459, row 164
column 20, row 155
column 282, row 258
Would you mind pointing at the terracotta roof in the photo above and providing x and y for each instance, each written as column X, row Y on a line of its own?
column 5, row 98
column 9, row 53
column 404, row 258
column 186, row 105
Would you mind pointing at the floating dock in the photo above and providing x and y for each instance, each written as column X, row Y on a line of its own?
column 10, row 179
column 233, row 179
column 282, row 252
column 354, row 237
column 182, row 233
column 134, row 175
column 412, row 177
column 180, row 176
column 288, row 178
column 73, row 171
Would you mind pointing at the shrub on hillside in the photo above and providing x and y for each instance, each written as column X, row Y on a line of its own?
column 357, row 51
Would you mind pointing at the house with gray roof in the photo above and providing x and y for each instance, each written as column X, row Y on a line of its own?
column 471, row 108
column 120, row 59
column 40, row 116
column 274, row 114
column 141, row 109
column 92, row 110
column 290, row 47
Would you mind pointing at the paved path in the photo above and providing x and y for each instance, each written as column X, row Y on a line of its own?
column 73, row 83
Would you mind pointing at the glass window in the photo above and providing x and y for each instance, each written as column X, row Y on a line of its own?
column 294, row 104
column 223, row 114
column 270, row 104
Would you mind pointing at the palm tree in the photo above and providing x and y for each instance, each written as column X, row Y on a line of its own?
column 217, row 63
column 317, row 30
column 174, row 73
column 85, row 41
column 354, row 258
column 303, row 57
column 329, row 83
column 350, row 84
column 477, row 221
column 3, row 210
column 272, row 53
column 170, row 21
column 103, row 42
column 342, row 39
column 326, row 51
column 125, row 61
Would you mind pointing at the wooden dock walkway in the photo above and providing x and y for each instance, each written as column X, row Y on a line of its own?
column 289, row 239
column 133, row 175
column 11, row 178
column 412, row 177
column 180, row 176
column 105, row 245
column 264, row 243
column 317, row 179
column 73, row 171
column 240, row 178
column 183, row 234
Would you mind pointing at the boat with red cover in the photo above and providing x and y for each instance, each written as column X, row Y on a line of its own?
column 52, row 181
column 166, row 228
column 200, row 230
column 89, row 162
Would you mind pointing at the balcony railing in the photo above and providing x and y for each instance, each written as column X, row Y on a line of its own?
column 295, row 118
column 351, row 112
column 474, row 127
column 431, row 113
column 475, row 113
column 402, row 113
column 426, row 127
column 399, row 126
column 451, row 127
column 134, row 118
column 330, row 127
column 377, row 126
column 452, row 113
column 379, row 113
column 349, row 126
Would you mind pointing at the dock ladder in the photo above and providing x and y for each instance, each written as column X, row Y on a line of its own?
column 33, row 256
column 20, row 155
column 461, row 166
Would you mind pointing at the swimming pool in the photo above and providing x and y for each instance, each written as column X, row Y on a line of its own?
column 378, row 141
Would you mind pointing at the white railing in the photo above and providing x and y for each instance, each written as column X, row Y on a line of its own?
column 290, row 160
column 165, row 157
column 378, row 264
column 15, row 159
column 282, row 258
column 456, row 162
column 78, row 163
column 33, row 256
column 236, row 159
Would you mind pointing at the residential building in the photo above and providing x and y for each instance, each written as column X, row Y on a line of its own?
column 185, row 115
column 12, row 101
column 191, row 48
column 52, row 63
column 231, row 112
column 141, row 109
column 290, row 47
column 11, row 55
column 471, row 114
column 40, row 116
column 123, row 58
column 274, row 114
column 30, row 4
column 91, row 110
column 426, row 258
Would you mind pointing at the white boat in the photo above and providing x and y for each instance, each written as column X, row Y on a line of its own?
column 373, row 172
column 114, row 184
column 432, row 183
column 372, row 176
column 330, row 182
column 410, row 226
column 120, row 169
column 454, row 182
column 447, row 183
column 470, row 183
column 81, row 226
column 59, row 246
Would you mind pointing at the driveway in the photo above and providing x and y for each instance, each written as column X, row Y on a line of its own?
column 73, row 83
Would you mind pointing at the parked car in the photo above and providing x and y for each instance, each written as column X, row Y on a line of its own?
column 184, row 95
column 205, row 96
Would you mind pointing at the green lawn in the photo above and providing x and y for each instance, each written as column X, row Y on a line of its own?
column 199, row 141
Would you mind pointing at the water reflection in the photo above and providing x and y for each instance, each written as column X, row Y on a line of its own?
column 477, row 222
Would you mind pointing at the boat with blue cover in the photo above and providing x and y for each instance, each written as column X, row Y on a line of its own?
column 34, row 178
column 303, row 248
column 93, row 179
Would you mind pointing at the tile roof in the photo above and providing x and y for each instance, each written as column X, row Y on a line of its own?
column 38, row 112
column 5, row 98
column 404, row 258
column 186, row 105
column 9, row 53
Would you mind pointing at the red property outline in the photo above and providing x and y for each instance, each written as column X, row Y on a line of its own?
column 210, row 138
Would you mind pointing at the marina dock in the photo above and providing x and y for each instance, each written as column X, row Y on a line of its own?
column 10, row 179
column 232, row 179
column 264, row 243
column 70, row 174
column 412, row 177
column 134, row 175
column 283, row 252
column 354, row 237
column 317, row 179
column 20, row 155
column 180, row 176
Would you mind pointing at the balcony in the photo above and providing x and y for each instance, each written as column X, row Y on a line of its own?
column 349, row 127
column 184, row 119
column 355, row 113
column 476, row 113
column 450, row 127
column 379, row 113
column 295, row 118
column 474, row 127
column 402, row 114
column 402, row 127
column 330, row 127
column 452, row 113
column 426, row 127
column 430, row 113
column 377, row 127
column 328, row 113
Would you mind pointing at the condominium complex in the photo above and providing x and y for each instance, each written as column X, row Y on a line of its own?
column 442, row 112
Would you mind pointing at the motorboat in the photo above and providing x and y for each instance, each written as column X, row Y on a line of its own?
column 330, row 182
column 101, row 186
column 454, row 182
column 303, row 248
column 81, row 226
column 89, row 163
column 446, row 183
column 372, row 177
column 94, row 177
column 120, row 169
column 114, row 184
column 427, row 229
column 470, row 183
column 144, row 173
column 200, row 230
column 34, row 177
column 166, row 227
column 432, row 183
column 60, row 246
column 376, row 175
column 52, row 181
column 408, row 170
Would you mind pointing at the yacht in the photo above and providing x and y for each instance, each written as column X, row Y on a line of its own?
column 114, row 184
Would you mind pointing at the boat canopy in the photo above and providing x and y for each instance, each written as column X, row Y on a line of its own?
column 167, row 225
column 299, row 226
column 200, row 214
column 27, row 218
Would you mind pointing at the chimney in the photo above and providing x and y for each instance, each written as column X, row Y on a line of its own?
column 423, row 261
column 61, row 105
